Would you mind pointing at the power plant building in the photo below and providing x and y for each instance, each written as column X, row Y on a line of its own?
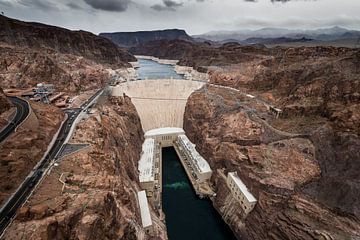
column 200, row 168
column 241, row 193
column 165, row 136
column 149, row 166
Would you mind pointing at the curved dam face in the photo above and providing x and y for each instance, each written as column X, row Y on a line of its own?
column 159, row 102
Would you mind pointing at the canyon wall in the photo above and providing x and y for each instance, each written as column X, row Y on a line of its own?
column 92, row 194
column 303, row 166
column 80, row 43
column 74, row 61
column 283, row 170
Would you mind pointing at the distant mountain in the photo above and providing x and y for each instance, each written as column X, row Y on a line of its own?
column 243, row 36
column 131, row 39
column 274, row 40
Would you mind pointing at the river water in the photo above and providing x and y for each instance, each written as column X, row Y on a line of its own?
column 187, row 216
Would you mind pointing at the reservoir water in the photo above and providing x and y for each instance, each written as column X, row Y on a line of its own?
column 150, row 69
column 187, row 216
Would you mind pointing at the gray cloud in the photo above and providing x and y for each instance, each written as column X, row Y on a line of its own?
column 168, row 5
column 109, row 5
column 39, row 4
column 74, row 6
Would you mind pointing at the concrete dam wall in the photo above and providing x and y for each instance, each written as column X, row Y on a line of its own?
column 159, row 103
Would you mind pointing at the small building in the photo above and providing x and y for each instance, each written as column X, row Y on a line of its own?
column 200, row 168
column 149, row 166
column 145, row 212
column 241, row 193
column 164, row 136
column 276, row 111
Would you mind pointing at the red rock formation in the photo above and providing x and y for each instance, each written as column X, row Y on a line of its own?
column 80, row 43
column 99, row 199
column 303, row 189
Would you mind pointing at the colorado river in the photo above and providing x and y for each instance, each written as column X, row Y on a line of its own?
column 187, row 216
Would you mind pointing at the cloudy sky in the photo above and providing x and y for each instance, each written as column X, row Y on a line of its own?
column 195, row 16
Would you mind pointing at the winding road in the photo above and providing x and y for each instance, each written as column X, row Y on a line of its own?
column 22, row 111
column 18, row 199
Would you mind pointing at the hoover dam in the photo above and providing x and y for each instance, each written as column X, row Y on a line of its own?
column 159, row 102
column 167, row 173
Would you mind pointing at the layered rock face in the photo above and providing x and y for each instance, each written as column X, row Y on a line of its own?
column 131, row 39
column 92, row 194
column 200, row 55
column 292, row 175
column 303, row 167
column 23, row 68
column 73, row 61
column 40, row 36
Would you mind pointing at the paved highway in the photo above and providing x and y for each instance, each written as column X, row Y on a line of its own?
column 22, row 111
column 10, row 208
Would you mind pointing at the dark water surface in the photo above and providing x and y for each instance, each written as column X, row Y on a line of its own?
column 187, row 216
column 149, row 69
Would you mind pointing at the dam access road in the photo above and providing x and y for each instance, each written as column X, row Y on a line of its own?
column 19, row 198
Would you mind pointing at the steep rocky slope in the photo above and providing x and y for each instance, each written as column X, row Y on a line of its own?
column 131, row 39
column 73, row 61
column 98, row 199
column 304, row 166
column 292, row 175
column 24, row 68
column 4, row 102
column 41, row 36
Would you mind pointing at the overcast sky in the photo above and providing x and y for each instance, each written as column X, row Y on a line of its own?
column 195, row 16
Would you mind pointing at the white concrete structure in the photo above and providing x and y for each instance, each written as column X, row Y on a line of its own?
column 150, row 166
column 241, row 193
column 165, row 136
column 159, row 103
column 201, row 170
column 145, row 212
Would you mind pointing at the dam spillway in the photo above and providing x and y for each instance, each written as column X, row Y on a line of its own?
column 159, row 102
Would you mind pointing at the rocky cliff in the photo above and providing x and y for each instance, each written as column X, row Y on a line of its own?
column 74, row 61
column 80, row 43
column 131, row 39
column 300, row 194
column 92, row 194
column 302, row 167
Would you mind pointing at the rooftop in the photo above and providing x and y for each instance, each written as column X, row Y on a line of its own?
column 200, row 161
column 250, row 198
column 144, row 209
column 164, row 131
column 146, row 163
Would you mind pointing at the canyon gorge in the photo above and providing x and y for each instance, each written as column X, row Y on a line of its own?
column 285, row 119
